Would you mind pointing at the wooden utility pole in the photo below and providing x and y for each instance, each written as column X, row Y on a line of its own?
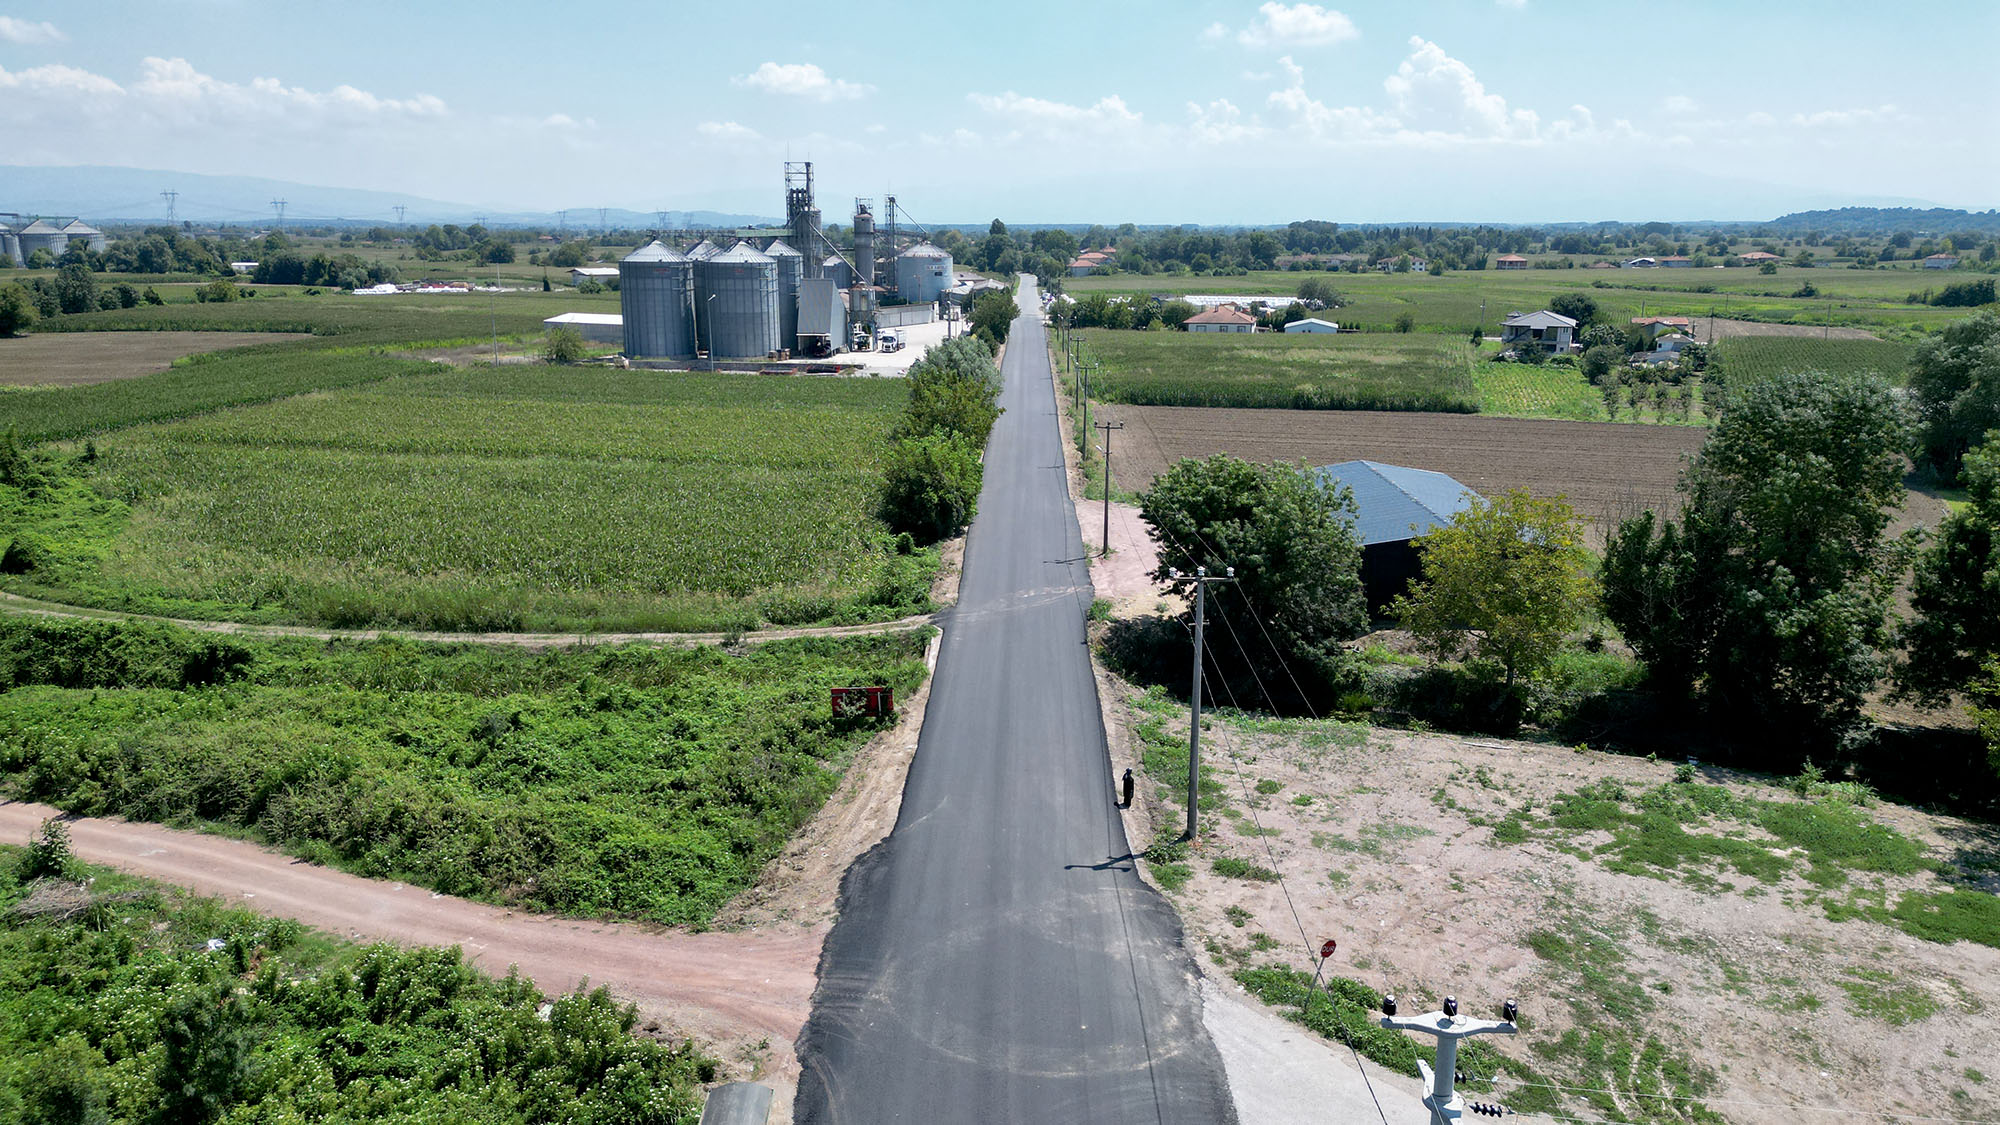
column 1201, row 580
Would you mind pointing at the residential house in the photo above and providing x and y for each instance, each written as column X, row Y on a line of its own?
column 1655, row 325
column 1394, row 505
column 1089, row 260
column 1312, row 325
column 1941, row 262
column 1672, row 343
column 1759, row 257
column 1550, row 331
column 1510, row 262
column 1640, row 263
column 1222, row 318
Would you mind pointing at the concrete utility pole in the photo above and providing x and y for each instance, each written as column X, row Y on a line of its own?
column 1201, row 580
column 1107, row 427
column 1446, row 1107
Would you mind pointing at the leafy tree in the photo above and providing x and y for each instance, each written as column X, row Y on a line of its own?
column 1405, row 322
column 1291, row 541
column 128, row 297
column 1321, row 290
column 993, row 313
column 17, row 310
column 496, row 251
column 1597, row 362
column 1175, row 313
column 954, row 392
column 1504, row 580
column 931, row 486
column 41, row 259
column 1603, row 335
column 76, row 289
column 64, row 1084
column 564, row 345
column 1954, row 632
column 1768, row 601
column 1580, row 307
column 1955, row 382
column 570, row 254
column 207, row 1054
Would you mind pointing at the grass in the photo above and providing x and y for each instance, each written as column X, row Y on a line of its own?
column 146, row 1004
column 1346, row 372
column 1231, row 867
column 630, row 782
column 405, row 318
column 511, row 498
column 1520, row 390
column 1749, row 359
column 1879, row 994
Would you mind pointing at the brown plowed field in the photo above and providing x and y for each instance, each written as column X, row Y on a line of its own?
column 73, row 359
column 1608, row 470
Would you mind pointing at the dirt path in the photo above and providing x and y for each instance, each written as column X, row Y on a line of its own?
column 16, row 604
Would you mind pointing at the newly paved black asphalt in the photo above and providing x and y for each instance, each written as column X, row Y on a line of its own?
column 997, row 958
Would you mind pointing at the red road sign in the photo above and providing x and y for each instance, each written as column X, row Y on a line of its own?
column 1326, row 948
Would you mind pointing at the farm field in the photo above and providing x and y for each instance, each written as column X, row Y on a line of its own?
column 517, row 498
column 636, row 781
column 404, row 318
column 1655, row 927
column 123, row 1000
column 1750, row 358
column 75, row 359
column 1355, row 372
column 1868, row 299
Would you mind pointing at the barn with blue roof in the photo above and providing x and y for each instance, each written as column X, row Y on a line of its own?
column 1395, row 505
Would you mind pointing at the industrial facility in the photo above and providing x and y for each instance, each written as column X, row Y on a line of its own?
column 796, row 295
column 19, row 241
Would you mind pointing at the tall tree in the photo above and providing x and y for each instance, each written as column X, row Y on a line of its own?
column 1769, row 601
column 1954, row 630
column 1955, row 382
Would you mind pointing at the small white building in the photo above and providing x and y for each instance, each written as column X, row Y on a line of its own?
column 1941, row 262
column 243, row 267
column 596, row 328
column 1222, row 318
column 603, row 275
column 1312, row 325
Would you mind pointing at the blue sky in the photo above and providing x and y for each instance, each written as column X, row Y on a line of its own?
column 1090, row 110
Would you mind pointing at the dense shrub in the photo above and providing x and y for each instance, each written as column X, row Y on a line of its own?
column 931, row 486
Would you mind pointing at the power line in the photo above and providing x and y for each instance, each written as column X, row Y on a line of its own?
column 279, row 204
column 170, row 197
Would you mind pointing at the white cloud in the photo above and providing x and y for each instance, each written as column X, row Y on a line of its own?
column 1838, row 118
column 1680, row 103
column 728, row 131
column 1435, row 93
column 802, row 80
column 1291, row 25
column 1516, row 5
column 175, row 90
column 1220, row 122
column 28, row 33
column 61, row 81
column 1108, row 114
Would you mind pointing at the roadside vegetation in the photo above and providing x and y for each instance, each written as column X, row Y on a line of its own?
column 630, row 782
column 125, row 1001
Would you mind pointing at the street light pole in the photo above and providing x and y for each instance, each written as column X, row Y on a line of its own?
column 1201, row 580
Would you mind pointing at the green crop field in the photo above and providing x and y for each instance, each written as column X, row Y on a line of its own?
column 1868, row 299
column 1519, row 390
column 1750, row 358
column 124, row 1001
column 402, row 318
column 1346, row 372
column 633, row 782
column 510, row 498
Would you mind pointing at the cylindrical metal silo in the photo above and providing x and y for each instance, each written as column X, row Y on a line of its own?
column 40, row 235
column 864, row 246
column 791, row 271
column 10, row 246
column 736, row 303
column 656, row 294
column 923, row 273
column 837, row 268
column 703, row 250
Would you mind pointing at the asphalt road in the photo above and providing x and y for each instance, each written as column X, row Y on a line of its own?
column 997, row 957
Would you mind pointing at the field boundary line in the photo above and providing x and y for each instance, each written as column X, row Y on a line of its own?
column 19, row 606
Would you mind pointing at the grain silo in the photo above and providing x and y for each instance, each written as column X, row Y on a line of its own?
column 10, row 246
column 39, row 235
column 836, row 267
column 703, row 250
column 736, row 303
column 76, row 230
column 656, row 294
column 923, row 273
column 791, row 271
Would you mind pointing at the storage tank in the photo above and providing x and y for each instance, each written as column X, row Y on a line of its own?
column 836, row 268
column 736, row 303
column 791, row 271
column 76, row 230
column 656, row 294
column 703, row 250
column 10, row 246
column 864, row 245
column 39, row 235
column 923, row 273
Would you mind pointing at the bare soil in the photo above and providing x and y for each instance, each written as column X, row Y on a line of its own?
column 75, row 359
column 1751, row 983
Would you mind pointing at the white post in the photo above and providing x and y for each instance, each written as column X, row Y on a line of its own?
column 1443, row 1101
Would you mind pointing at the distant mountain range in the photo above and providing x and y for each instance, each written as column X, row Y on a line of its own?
column 102, row 195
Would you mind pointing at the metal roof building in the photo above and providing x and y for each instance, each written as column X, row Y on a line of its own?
column 597, row 328
column 791, row 271
column 1394, row 504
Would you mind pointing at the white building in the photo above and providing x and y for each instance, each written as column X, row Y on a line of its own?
column 1223, row 318
column 1312, row 325
column 603, row 275
column 597, row 328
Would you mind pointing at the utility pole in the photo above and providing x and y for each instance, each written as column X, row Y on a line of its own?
column 280, row 205
column 600, row 220
column 1201, row 580
column 399, row 209
column 1444, row 1103
column 562, row 225
column 170, row 197
column 1107, row 427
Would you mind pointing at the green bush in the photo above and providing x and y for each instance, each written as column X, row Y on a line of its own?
column 931, row 486
column 564, row 345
